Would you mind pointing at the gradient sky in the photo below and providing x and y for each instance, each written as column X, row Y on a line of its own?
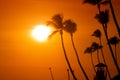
column 23, row 58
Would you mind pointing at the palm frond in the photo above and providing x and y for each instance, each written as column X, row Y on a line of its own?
column 100, row 65
column 103, row 17
column 114, row 40
column 70, row 26
column 95, row 46
column 88, row 50
column 93, row 2
column 97, row 33
column 58, row 19
column 53, row 33
column 52, row 23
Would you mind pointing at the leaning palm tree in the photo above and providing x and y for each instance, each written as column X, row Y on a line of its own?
column 103, row 18
column 114, row 41
column 70, row 27
column 90, row 51
column 57, row 22
column 98, row 3
column 97, row 34
column 114, row 17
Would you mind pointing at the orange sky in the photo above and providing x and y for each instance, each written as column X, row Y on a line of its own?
column 23, row 58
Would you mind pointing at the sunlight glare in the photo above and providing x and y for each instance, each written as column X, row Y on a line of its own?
column 41, row 32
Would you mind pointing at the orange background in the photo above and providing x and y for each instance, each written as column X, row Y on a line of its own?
column 23, row 58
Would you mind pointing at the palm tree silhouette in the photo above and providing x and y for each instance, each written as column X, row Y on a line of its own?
column 114, row 17
column 104, row 24
column 97, row 34
column 70, row 27
column 96, row 47
column 90, row 51
column 114, row 41
column 98, row 3
column 57, row 22
column 103, row 18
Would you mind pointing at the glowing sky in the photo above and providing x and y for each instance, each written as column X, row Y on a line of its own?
column 23, row 58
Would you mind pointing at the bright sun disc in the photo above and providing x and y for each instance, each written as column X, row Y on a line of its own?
column 41, row 32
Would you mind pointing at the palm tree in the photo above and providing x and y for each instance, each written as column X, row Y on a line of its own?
column 57, row 22
column 98, row 3
column 114, row 41
column 97, row 34
column 104, row 24
column 103, row 18
column 70, row 27
column 96, row 47
column 114, row 17
column 90, row 51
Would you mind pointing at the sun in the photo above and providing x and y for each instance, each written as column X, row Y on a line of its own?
column 41, row 32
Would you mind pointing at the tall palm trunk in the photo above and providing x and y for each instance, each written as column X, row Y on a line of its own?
column 113, row 14
column 114, row 17
column 98, row 56
column 99, row 7
column 52, row 78
column 106, row 35
column 104, row 59
column 78, row 60
column 68, row 74
column 92, row 62
column 68, row 63
column 110, row 48
column 116, row 54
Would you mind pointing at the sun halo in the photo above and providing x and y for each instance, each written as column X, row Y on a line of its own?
column 41, row 32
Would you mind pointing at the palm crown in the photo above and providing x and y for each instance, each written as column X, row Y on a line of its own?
column 94, row 2
column 114, row 40
column 97, row 33
column 103, row 17
column 70, row 26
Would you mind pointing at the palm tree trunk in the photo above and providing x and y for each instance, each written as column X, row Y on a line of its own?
column 68, row 74
column 104, row 59
column 52, row 78
column 115, row 54
column 110, row 48
column 92, row 62
column 68, row 63
column 114, row 17
column 106, row 35
column 98, row 56
column 78, row 60
column 99, row 7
